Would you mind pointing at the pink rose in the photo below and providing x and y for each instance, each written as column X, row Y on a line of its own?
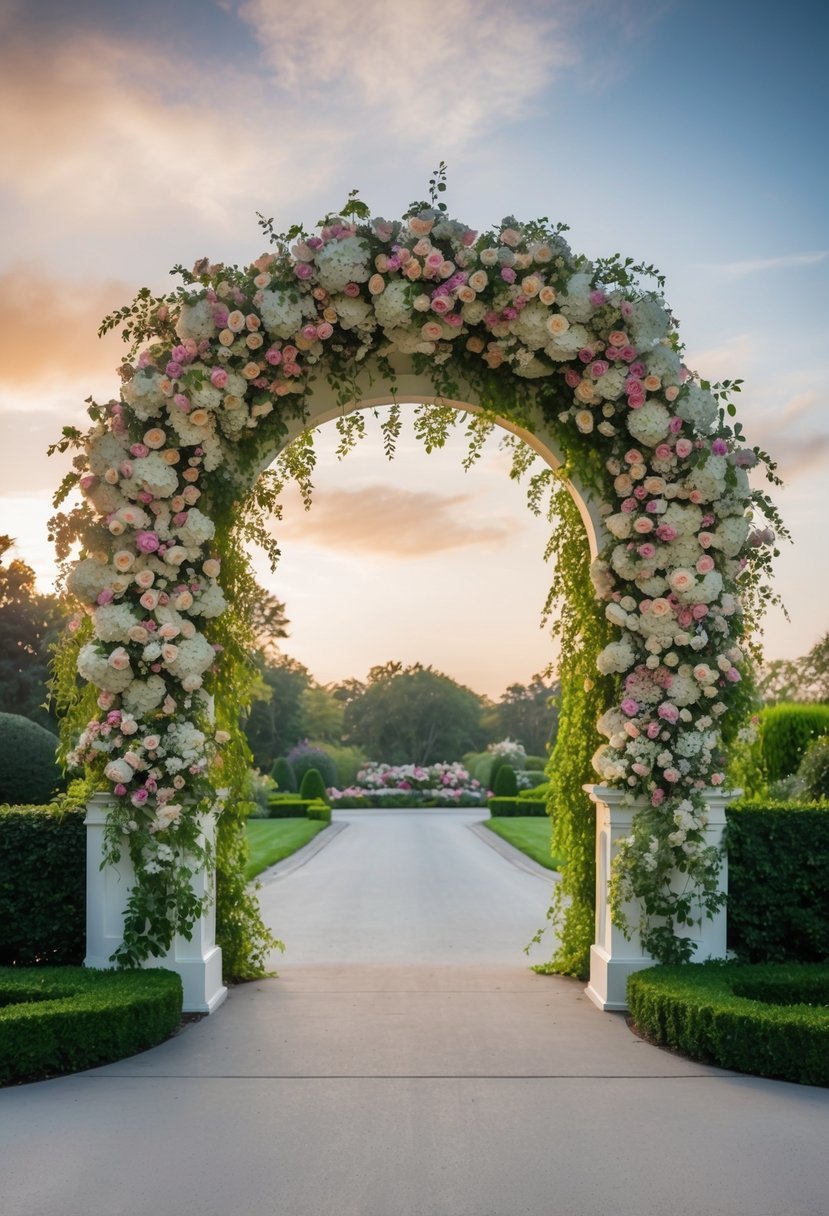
column 704, row 564
column 684, row 448
column 672, row 775
column 147, row 542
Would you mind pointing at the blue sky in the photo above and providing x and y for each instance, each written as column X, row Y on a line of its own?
column 689, row 134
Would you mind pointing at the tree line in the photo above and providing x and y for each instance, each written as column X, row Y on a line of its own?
column 398, row 714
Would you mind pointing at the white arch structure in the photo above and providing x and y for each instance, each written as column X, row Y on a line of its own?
column 613, row 957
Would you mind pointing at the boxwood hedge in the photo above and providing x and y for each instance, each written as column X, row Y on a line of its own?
column 42, row 884
column 778, row 860
column 61, row 1019
column 771, row 1020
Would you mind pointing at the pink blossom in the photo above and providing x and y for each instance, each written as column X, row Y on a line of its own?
column 657, row 797
column 105, row 597
column 629, row 707
column 719, row 447
column 572, row 377
column 639, row 370
column 684, row 448
column 629, row 504
column 704, row 564
column 147, row 542
column 585, row 354
column 119, row 790
column 667, row 533
column 672, row 775
column 733, row 675
column 303, row 270
column 653, row 730
column 139, row 450
column 351, row 289
column 599, row 367
column 597, row 297
column 662, row 451
column 668, row 712
column 675, row 426
column 646, row 550
column 699, row 611
column 218, row 377
column 745, row 458
column 508, row 274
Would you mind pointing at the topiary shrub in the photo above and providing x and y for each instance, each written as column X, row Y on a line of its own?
column 786, row 731
column 284, row 776
column 312, row 786
column 305, row 756
column 771, row 1021
column 319, row 811
column 506, row 783
column 42, row 885
column 29, row 772
column 537, row 762
column 61, row 1019
column 813, row 773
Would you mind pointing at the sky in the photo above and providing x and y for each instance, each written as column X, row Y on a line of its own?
column 689, row 134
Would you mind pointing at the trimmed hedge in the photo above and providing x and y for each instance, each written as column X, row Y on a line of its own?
column 778, row 862
column 284, row 776
column 499, row 807
column 769, row 1020
column 786, row 730
column 29, row 771
column 42, row 885
column 320, row 811
column 505, row 783
column 61, row 1019
column 288, row 806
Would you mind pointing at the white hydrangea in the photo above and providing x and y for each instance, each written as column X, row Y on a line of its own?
column 650, row 424
column 474, row 312
column 341, row 262
column 611, row 385
column 196, row 530
column 611, row 722
column 355, row 313
column 105, row 451
column 619, row 525
column 106, row 499
column 575, row 302
column 392, row 307
column 88, row 579
column 685, row 517
column 616, row 657
column 530, row 326
column 698, row 407
column 96, row 669
column 408, row 341
column 281, row 312
column 663, row 361
column 602, row 578
column 112, row 622
column 194, row 657
column 153, row 474
column 189, row 434
column 143, row 393
column 568, row 344
column 143, row 696
column 209, row 603
column 648, row 322
column 730, row 535
column 206, row 396
column 652, row 587
column 530, row 368
column 196, row 321
column 706, row 590
column 708, row 479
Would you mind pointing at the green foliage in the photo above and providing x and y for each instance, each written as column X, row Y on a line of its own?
column 288, row 806
column 814, row 770
column 42, row 884
column 502, row 806
column 582, row 632
column 786, row 730
column 348, row 762
column 28, row 769
column 305, row 756
column 414, row 715
column 29, row 624
column 319, row 811
column 274, row 724
column 778, row 860
column 505, row 784
column 803, row 679
column 284, row 776
column 537, row 763
column 527, row 713
column 312, row 786
column 771, row 1021
column 62, row 1019
column 495, row 765
column 536, row 776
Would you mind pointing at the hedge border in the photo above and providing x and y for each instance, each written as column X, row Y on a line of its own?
column 57, row 1020
column 762, row 1019
column 499, row 807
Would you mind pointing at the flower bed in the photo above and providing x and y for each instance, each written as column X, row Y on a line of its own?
column 433, row 785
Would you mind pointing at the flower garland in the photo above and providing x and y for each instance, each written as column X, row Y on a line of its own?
column 224, row 362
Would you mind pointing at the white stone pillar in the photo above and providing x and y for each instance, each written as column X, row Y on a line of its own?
column 613, row 957
column 198, row 961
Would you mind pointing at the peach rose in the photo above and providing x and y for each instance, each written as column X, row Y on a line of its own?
column 123, row 559
column 431, row 331
column 171, row 456
column 144, row 578
column 547, row 295
column 227, row 337
column 212, row 567
column 558, row 324
column 660, row 607
column 119, row 659
column 478, row 280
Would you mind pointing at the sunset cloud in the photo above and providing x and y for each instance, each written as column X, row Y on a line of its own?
column 394, row 522
column 451, row 68
column 49, row 328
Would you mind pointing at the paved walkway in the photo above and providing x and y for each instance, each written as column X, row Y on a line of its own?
column 388, row 1077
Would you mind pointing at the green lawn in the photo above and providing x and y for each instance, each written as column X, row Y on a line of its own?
column 530, row 834
column 272, row 839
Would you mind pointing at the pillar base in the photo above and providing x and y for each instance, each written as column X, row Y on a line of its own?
column 198, row 961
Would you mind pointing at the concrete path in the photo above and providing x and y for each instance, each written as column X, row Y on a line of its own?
column 385, row 1083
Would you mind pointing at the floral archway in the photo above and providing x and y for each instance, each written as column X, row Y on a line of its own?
column 222, row 372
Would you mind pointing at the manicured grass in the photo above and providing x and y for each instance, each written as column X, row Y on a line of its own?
column 272, row 839
column 530, row 834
